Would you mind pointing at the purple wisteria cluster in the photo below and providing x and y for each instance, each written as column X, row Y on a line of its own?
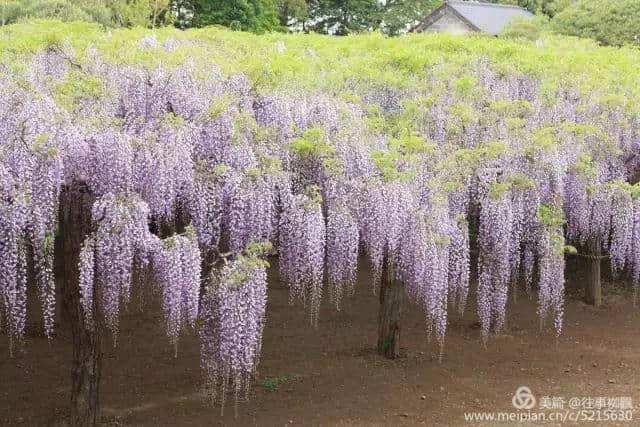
column 494, row 240
column 231, row 325
column 302, row 249
column 121, row 243
column 423, row 265
column 342, row 252
column 31, row 170
column 177, row 265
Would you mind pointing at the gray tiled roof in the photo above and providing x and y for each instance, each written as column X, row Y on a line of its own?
column 488, row 17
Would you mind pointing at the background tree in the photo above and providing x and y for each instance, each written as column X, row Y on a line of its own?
column 523, row 28
column 181, row 12
column 292, row 11
column 615, row 22
column 553, row 7
column 257, row 16
column 110, row 13
column 342, row 17
column 399, row 15
column 137, row 13
column 64, row 10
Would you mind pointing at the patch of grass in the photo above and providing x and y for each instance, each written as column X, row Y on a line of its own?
column 273, row 383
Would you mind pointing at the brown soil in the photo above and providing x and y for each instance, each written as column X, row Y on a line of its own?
column 331, row 376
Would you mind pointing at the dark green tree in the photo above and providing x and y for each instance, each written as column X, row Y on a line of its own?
column 614, row 22
column 342, row 17
column 292, row 11
column 257, row 16
column 399, row 15
column 553, row 7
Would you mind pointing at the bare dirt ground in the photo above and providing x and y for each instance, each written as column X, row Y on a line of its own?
column 332, row 377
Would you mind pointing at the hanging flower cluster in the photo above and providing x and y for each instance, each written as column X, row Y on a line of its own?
column 423, row 265
column 459, row 263
column 302, row 249
column 176, row 264
column 342, row 252
column 493, row 259
column 551, row 266
column 108, row 258
column 31, row 170
column 231, row 323
column 253, row 211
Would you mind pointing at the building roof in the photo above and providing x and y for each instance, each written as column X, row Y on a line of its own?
column 488, row 18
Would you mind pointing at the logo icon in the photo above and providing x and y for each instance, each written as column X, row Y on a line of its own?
column 523, row 399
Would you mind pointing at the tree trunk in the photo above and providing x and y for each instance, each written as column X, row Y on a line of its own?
column 592, row 284
column 75, row 215
column 391, row 294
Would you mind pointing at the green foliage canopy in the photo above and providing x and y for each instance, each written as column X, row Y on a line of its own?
column 397, row 14
column 292, row 11
column 614, row 22
column 529, row 29
column 109, row 13
column 343, row 17
column 256, row 16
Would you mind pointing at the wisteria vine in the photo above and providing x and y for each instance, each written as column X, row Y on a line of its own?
column 189, row 167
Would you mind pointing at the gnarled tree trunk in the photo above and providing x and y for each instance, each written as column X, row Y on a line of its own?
column 75, row 224
column 391, row 295
column 593, row 284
